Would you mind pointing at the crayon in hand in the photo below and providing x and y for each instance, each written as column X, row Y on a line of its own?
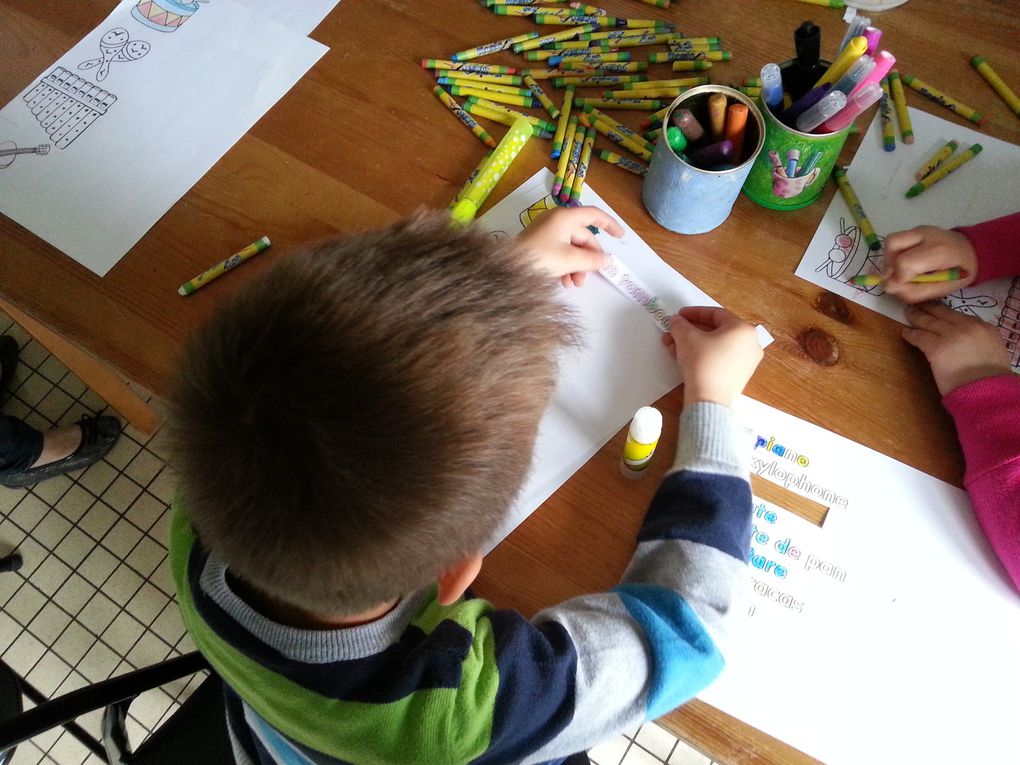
column 947, row 275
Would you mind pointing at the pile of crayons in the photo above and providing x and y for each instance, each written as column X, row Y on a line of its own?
column 592, row 50
column 816, row 99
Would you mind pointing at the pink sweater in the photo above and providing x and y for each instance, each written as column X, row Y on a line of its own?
column 987, row 413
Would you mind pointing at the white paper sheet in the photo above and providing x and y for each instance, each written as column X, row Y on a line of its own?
column 148, row 115
column 891, row 635
column 623, row 366
column 984, row 188
column 302, row 16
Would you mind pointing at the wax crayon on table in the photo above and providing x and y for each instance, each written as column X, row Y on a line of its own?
column 792, row 158
column 691, row 66
column 470, row 180
column 534, row 10
column 493, row 47
column 638, row 104
column 827, row 106
column 853, row 51
column 223, row 266
column 717, row 115
column 630, row 165
column 755, row 82
column 689, row 55
column 688, row 46
column 855, row 105
column 752, row 92
column 458, row 111
column 546, row 55
column 575, row 157
column 589, row 10
column 826, row 3
column 561, row 127
column 538, row 122
column 547, row 104
column 591, row 81
column 885, row 117
column 713, row 154
column 657, row 3
column 588, row 60
column 460, row 66
column 653, row 135
column 1000, row 87
column 943, row 170
column 932, row 277
column 582, row 167
column 942, row 99
column 854, row 203
column 503, row 116
column 465, row 77
column 510, row 90
column 493, row 169
column 629, row 66
column 772, row 86
column 493, row 95
column 646, row 93
column 568, row 146
column 900, row 102
column 538, row 42
column 936, row 159
column 634, row 144
column 619, row 127
column 541, row 74
column 736, row 124
column 682, row 82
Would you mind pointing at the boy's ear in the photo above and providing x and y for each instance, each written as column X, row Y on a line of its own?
column 457, row 578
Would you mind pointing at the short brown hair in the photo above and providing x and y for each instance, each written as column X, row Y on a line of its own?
column 361, row 417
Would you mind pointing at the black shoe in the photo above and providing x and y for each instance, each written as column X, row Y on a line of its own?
column 8, row 361
column 98, row 435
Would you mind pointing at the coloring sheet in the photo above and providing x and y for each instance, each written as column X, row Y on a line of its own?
column 623, row 366
column 984, row 188
column 103, row 142
column 890, row 628
column 302, row 16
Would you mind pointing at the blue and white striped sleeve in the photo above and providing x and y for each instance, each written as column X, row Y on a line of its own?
column 657, row 639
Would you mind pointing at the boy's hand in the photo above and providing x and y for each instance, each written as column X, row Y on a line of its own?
column 716, row 351
column 924, row 249
column 563, row 246
column 959, row 348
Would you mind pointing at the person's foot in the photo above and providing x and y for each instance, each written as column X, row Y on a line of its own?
column 68, row 449
column 8, row 361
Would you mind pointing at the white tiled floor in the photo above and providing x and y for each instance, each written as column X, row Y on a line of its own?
column 94, row 598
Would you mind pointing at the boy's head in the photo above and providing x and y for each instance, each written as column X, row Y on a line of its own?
column 361, row 416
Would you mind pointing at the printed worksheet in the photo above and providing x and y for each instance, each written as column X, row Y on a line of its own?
column 623, row 365
column 105, row 140
column 983, row 188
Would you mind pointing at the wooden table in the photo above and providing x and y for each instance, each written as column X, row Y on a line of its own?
column 361, row 141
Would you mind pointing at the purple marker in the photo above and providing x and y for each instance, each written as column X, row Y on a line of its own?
column 713, row 154
column 805, row 102
column 872, row 35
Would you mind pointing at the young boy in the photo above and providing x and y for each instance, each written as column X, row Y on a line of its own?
column 350, row 430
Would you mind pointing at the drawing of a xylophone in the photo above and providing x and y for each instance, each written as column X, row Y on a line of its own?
column 66, row 104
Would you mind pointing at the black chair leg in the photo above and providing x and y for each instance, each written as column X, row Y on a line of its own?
column 10, row 562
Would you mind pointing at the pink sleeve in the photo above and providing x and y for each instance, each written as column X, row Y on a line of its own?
column 987, row 417
column 997, row 243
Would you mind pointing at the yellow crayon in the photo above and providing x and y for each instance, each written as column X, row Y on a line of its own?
column 536, row 90
column 493, row 79
column 493, row 169
column 943, row 170
column 630, row 66
column 900, row 102
column 590, row 10
column 536, row 121
column 503, row 118
column 460, row 66
column 636, row 104
column 503, row 98
column 690, row 55
column 533, row 10
column 563, row 34
column 566, row 149
column 630, row 165
column 691, row 66
column 854, row 203
column 594, row 114
column 582, row 166
column 222, row 267
column 682, row 82
column 846, row 58
column 645, row 93
column 932, row 277
column 458, row 111
column 541, row 74
column 621, row 140
column 936, row 159
column 545, row 55
column 942, row 99
column 469, row 181
column 827, row 3
column 575, row 157
column 561, row 127
column 509, row 90
column 493, row 47
column 597, row 80
column 884, row 115
column 1000, row 87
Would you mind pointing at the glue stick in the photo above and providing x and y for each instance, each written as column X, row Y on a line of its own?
column 642, row 438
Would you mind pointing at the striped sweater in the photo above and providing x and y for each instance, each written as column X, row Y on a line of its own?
column 469, row 683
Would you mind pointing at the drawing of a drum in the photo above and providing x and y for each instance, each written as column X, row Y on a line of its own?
column 163, row 15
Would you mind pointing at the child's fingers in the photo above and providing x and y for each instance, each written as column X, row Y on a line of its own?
column 927, row 316
column 706, row 316
column 901, row 241
column 921, row 339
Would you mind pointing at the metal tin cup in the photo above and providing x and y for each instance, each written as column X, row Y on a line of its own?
column 793, row 168
column 686, row 199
